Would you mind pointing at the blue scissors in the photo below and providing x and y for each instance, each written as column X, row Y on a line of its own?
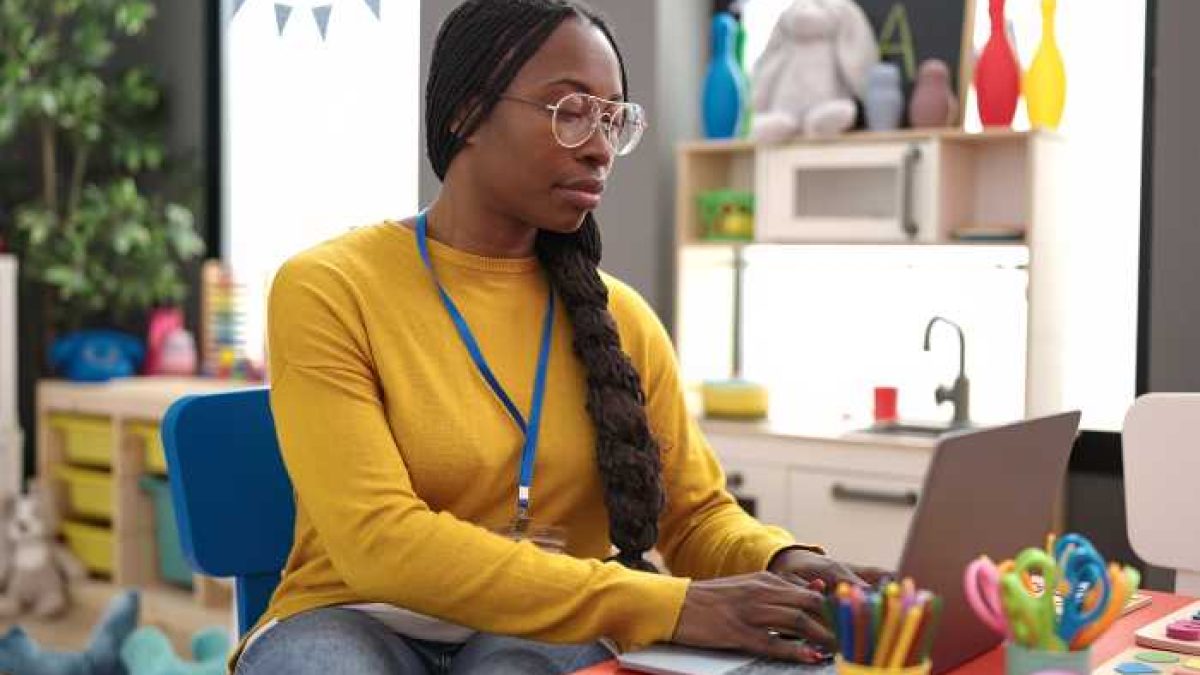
column 1083, row 571
column 1031, row 613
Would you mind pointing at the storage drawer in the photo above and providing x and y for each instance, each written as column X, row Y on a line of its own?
column 761, row 489
column 87, row 439
column 89, row 492
column 871, row 192
column 148, row 433
column 92, row 544
column 857, row 519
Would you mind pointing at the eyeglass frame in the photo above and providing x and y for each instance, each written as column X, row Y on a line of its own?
column 552, row 108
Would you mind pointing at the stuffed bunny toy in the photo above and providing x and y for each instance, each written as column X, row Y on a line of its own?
column 814, row 67
column 41, row 568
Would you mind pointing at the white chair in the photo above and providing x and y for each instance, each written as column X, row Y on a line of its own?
column 1161, row 453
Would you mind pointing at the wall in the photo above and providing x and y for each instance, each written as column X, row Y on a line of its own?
column 1173, row 316
column 664, row 46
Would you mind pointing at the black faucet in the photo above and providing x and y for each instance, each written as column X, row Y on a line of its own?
column 960, row 393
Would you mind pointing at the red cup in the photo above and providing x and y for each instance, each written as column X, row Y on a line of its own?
column 885, row 404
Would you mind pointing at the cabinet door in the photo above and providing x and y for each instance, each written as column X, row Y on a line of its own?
column 761, row 489
column 857, row 519
column 870, row 192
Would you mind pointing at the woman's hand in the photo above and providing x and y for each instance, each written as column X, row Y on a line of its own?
column 809, row 566
column 749, row 612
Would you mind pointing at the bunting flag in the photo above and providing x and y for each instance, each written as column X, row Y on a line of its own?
column 321, row 15
column 282, row 12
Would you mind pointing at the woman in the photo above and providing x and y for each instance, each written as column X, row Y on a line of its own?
column 425, row 372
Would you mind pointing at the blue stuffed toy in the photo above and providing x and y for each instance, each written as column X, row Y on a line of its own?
column 116, row 648
column 149, row 652
column 20, row 655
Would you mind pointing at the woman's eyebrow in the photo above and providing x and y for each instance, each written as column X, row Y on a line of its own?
column 579, row 85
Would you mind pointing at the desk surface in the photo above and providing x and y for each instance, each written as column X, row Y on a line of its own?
column 1116, row 640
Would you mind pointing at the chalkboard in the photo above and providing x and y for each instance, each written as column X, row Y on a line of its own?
column 910, row 31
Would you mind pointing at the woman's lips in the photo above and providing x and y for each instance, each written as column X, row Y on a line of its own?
column 582, row 194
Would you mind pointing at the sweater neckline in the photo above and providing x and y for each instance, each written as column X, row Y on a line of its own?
column 444, row 253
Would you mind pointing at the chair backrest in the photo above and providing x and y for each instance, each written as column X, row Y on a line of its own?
column 232, row 496
column 1161, row 455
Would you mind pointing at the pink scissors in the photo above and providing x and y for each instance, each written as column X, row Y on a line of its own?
column 982, row 585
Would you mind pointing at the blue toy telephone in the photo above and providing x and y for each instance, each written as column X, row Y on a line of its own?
column 96, row 355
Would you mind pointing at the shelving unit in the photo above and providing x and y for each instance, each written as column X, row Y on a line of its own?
column 856, row 493
column 100, row 439
column 995, row 178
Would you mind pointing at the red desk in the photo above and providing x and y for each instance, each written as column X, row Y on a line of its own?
column 1116, row 640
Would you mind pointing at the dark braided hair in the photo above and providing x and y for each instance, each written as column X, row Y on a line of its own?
column 479, row 50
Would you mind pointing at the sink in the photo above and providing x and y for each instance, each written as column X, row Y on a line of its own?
column 931, row 429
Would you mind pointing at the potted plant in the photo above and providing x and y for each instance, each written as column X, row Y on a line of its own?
column 96, row 228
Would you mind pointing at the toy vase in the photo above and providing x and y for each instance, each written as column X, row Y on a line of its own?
column 1046, row 81
column 933, row 102
column 997, row 74
column 883, row 102
column 724, row 86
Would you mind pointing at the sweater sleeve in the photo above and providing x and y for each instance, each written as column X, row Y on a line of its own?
column 387, row 544
column 704, row 533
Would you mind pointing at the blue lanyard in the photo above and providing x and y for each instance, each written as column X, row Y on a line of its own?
column 533, row 427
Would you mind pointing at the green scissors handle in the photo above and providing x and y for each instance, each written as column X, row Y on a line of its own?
column 1031, row 615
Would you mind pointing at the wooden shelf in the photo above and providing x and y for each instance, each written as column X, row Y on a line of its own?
column 123, row 402
column 947, row 134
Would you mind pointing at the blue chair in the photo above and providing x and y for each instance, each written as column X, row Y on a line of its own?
column 232, row 496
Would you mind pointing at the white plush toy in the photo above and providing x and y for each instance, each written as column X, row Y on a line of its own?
column 41, row 568
column 813, row 68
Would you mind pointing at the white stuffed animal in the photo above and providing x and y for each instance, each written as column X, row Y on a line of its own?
column 41, row 567
column 814, row 66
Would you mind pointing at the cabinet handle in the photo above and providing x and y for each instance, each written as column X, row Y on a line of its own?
column 907, row 164
column 844, row 493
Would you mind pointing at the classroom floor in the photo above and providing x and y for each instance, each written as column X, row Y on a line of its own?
column 175, row 611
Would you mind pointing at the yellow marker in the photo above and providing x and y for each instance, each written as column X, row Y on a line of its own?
column 912, row 619
column 1050, row 539
column 891, row 623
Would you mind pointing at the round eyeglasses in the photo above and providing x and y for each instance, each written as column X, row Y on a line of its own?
column 576, row 117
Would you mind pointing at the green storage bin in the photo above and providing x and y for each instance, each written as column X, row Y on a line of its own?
column 171, row 563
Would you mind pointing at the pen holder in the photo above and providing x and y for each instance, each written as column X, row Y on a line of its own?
column 844, row 667
column 1019, row 660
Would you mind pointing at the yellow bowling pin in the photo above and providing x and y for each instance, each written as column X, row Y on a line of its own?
column 1046, row 82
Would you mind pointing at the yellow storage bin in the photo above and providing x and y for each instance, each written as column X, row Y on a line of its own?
column 156, row 459
column 92, row 544
column 89, row 492
column 86, row 439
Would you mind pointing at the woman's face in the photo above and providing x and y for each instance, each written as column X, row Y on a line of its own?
column 521, row 169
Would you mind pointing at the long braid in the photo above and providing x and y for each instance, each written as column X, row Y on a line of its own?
column 479, row 50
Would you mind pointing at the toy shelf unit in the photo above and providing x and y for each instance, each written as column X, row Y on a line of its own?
column 10, row 428
column 879, row 192
column 100, row 458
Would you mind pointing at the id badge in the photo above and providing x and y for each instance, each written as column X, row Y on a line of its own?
column 552, row 538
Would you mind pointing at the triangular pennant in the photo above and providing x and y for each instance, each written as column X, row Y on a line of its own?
column 282, row 12
column 237, row 4
column 374, row 5
column 321, row 14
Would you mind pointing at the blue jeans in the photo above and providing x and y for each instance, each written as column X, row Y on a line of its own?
column 333, row 640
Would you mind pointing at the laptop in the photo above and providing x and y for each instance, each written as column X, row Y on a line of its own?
column 989, row 491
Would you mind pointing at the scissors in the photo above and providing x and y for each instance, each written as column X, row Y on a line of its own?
column 1124, row 582
column 1031, row 615
column 1084, row 573
column 982, row 585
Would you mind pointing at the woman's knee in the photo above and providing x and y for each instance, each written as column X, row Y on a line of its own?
column 501, row 655
column 328, row 641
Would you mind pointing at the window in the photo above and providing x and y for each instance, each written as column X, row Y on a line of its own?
column 320, row 126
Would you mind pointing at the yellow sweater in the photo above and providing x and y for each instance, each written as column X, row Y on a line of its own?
column 397, row 449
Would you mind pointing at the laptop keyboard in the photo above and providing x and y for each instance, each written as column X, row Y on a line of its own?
column 771, row 667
